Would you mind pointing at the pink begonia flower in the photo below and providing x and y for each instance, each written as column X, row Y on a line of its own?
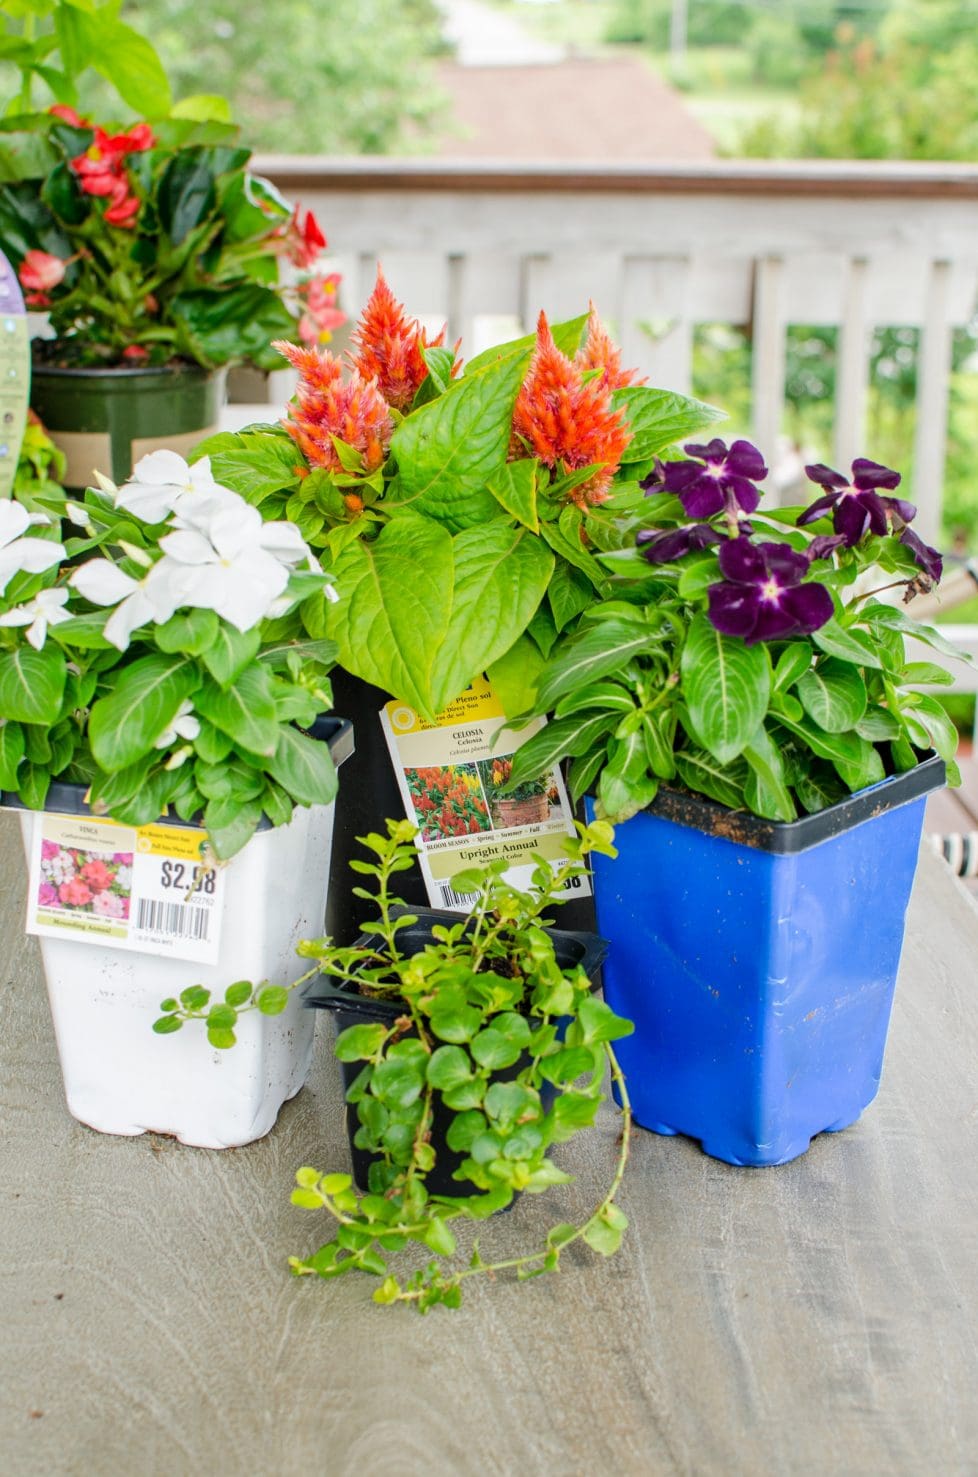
column 40, row 271
column 75, row 893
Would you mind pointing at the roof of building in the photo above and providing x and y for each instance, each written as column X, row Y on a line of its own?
column 577, row 109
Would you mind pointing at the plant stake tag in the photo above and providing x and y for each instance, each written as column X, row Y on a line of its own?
column 15, row 374
column 150, row 890
column 451, row 774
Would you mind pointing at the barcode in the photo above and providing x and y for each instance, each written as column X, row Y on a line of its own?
column 452, row 899
column 176, row 919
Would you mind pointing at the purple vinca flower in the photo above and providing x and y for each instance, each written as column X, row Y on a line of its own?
column 762, row 597
column 824, row 545
column 722, row 478
column 856, row 505
column 662, row 546
column 929, row 559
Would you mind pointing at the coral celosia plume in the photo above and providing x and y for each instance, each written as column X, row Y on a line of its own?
column 326, row 407
column 389, row 347
column 566, row 422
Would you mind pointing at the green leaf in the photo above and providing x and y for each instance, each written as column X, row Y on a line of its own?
column 397, row 1084
column 229, row 652
column 833, row 694
column 424, row 640
column 513, row 676
column 599, row 649
column 32, row 684
column 128, row 61
column 239, row 993
column 658, row 418
column 232, row 324
column 793, row 662
column 602, row 1238
column 897, row 620
column 937, row 727
column 570, row 592
column 838, row 748
column 438, row 1238
column 866, row 770
column 272, row 999
column 878, row 725
column 567, row 336
column 359, row 1043
column 186, row 194
column 231, row 824
column 455, row 1022
column 626, row 786
column 566, row 737
column 727, row 686
column 451, row 449
column 603, row 694
column 304, row 768
column 849, row 643
column 573, row 1111
column 723, row 783
column 597, row 1022
column 124, row 725
column 244, row 711
column 252, row 463
column 514, row 487
column 12, row 748
column 765, row 788
column 191, row 631
column 501, row 575
column 925, row 674
column 449, row 1066
column 494, row 1050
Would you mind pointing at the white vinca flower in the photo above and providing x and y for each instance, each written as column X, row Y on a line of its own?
column 163, row 483
column 184, row 724
column 153, row 598
column 46, row 609
column 233, row 563
column 31, row 555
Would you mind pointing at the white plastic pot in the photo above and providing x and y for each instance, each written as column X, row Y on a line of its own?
column 121, row 1077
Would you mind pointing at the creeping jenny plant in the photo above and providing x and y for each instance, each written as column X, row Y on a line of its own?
column 492, row 1034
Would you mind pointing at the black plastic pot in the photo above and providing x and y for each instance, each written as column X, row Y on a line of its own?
column 353, row 1009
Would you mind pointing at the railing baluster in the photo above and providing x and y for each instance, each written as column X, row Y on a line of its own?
column 933, row 392
column 768, row 358
column 852, row 372
column 657, row 290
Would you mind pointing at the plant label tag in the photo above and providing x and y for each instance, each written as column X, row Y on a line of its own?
column 15, row 374
column 150, row 889
column 451, row 775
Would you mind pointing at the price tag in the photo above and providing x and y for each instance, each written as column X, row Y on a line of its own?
column 150, row 889
column 453, row 775
column 15, row 374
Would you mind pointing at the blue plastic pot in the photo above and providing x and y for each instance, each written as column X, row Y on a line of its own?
column 757, row 960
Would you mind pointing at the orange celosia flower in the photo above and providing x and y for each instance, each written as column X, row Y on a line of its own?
column 356, row 412
column 566, row 422
column 599, row 351
column 389, row 347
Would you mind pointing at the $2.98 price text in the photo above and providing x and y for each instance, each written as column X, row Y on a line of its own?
column 194, row 879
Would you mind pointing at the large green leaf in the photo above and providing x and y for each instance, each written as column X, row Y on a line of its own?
column 726, row 684
column 625, row 785
column 448, row 451
column 394, row 607
column 32, row 684
column 721, row 782
column 124, row 725
column 421, row 614
column 892, row 619
column 128, row 61
column 186, row 194
column 658, row 418
column 229, row 653
column 567, row 336
column 501, row 575
column 834, row 694
column 849, row 643
column 245, row 711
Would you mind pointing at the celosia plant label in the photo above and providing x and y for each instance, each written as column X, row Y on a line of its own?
column 454, row 775
column 149, row 889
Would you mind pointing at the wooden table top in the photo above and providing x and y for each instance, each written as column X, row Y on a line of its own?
column 818, row 1318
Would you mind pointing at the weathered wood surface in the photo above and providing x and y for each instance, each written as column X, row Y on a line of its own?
column 814, row 1319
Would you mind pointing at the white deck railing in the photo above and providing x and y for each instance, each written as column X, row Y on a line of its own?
column 661, row 249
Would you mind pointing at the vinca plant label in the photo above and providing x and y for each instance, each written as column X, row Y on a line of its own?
column 453, row 775
column 150, row 889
